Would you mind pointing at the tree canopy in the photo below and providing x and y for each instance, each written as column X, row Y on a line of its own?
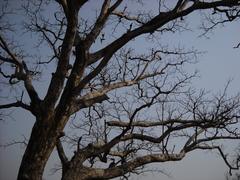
column 109, row 76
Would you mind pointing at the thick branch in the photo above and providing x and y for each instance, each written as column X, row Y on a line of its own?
column 87, row 102
column 151, row 123
column 138, row 162
column 102, row 18
column 154, row 24
column 98, row 94
column 57, row 81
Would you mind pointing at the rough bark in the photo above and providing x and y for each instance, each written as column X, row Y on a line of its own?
column 45, row 133
column 40, row 147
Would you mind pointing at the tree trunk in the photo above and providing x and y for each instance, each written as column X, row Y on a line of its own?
column 41, row 144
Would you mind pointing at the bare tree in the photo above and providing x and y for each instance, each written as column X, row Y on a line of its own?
column 131, row 107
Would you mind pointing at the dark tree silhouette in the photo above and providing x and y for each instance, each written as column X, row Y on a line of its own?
column 132, row 107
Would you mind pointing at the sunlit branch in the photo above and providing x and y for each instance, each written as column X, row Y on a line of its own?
column 133, row 164
column 151, row 123
column 122, row 15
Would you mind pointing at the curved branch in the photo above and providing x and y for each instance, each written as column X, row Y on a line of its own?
column 156, row 23
column 19, row 72
column 133, row 164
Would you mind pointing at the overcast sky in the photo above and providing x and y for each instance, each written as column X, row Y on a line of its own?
column 217, row 65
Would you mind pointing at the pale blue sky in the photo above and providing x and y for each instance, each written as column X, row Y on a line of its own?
column 220, row 63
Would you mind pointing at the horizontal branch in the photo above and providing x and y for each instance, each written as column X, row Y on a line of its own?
column 16, row 104
column 135, row 163
column 150, row 123
column 122, row 154
column 87, row 102
column 100, row 94
column 195, row 144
